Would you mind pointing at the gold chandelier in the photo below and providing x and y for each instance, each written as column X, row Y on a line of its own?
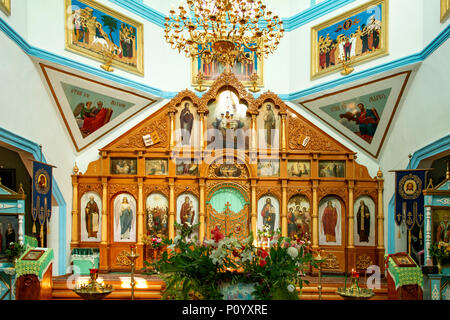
column 227, row 31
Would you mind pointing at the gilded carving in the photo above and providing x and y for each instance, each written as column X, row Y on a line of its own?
column 160, row 125
column 179, row 189
column 269, row 95
column 325, row 191
column 130, row 188
column 148, row 189
column 291, row 191
column 122, row 259
column 363, row 262
column 372, row 193
column 83, row 188
column 273, row 191
column 182, row 95
column 331, row 262
column 298, row 127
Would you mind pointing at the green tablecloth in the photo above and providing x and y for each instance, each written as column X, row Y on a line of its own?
column 38, row 267
column 405, row 275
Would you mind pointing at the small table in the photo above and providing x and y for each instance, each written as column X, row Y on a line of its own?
column 404, row 283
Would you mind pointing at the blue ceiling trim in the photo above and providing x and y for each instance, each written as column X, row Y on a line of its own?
column 290, row 23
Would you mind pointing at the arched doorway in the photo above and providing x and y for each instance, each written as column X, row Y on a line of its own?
column 227, row 206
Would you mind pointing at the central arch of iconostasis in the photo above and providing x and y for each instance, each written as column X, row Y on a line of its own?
column 232, row 161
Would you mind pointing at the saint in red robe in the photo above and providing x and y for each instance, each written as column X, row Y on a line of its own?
column 329, row 221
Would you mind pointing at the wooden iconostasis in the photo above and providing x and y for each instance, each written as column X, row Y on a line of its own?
column 235, row 162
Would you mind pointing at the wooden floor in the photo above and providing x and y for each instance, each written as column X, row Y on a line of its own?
column 151, row 287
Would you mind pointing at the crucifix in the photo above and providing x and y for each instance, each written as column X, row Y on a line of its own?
column 227, row 205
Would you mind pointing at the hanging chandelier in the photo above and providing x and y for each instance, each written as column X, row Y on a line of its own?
column 226, row 31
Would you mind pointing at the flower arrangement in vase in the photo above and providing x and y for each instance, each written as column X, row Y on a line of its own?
column 441, row 251
column 194, row 270
column 14, row 251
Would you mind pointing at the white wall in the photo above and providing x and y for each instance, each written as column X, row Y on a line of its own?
column 27, row 110
column 421, row 119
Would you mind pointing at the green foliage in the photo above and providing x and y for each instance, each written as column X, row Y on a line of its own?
column 440, row 250
column 14, row 250
column 194, row 270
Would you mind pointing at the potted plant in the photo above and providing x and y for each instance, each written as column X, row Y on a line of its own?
column 224, row 267
column 14, row 251
column 441, row 251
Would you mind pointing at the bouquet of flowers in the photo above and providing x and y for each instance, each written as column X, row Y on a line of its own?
column 14, row 250
column 153, row 241
column 441, row 251
column 194, row 270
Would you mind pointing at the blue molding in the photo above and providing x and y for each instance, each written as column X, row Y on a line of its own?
column 29, row 146
column 291, row 23
column 428, row 151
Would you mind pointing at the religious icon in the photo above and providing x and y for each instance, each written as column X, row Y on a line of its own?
column 92, row 218
column 363, row 222
column 409, row 187
column 96, row 31
column 359, row 35
column 156, row 167
column 123, row 166
column 298, row 168
column 443, row 231
column 227, row 122
column 91, row 210
column 299, row 218
column 268, row 168
column 330, row 221
column 269, row 124
column 186, row 123
column 187, row 209
column 332, row 169
column 42, row 181
column 157, row 214
column 186, row 167
column 10, row 234
column 125, row 210
column 187, row 212
column 268, row 215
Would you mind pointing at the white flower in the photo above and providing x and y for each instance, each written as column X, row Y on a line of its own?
column 172, row 246
column 291, row 288
column 293, row 252
column 177, row 239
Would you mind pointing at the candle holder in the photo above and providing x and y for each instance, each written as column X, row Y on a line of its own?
column 132, row 257
column 93, row 290
column 354, row 292
column 319, row 261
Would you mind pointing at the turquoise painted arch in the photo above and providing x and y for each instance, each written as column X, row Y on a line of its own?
column 227, row 197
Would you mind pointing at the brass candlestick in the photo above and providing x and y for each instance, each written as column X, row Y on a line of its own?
column 132, row 257
column 319, row 260
column 354, row 292
column 93, row 290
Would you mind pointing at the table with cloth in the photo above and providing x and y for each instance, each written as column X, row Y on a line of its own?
column 34, row 277
column 404, row 283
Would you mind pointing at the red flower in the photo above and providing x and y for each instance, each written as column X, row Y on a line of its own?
column 262, row 263
column 93, row 271
column 216, row 234
column 235, row 253
column 262, row 253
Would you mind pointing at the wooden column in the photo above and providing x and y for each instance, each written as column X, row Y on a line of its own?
column 172, row 130
column 283, row 133
column 103, row 259
column 284, row 204
column 202, row 226
column 315, row 216
column 140, row 212
column 351, row 218
column 171, row 209
column 75, row 241
column 254, row 220
column 254, row 134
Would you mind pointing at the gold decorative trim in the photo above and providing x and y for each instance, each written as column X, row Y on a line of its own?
column 331, row 262
column 445, row 10
column 363, row 262
column 5, row 6
column 122, row 259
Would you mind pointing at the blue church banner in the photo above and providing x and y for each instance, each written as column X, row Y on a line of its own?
column 42, row 193
column 409, row 198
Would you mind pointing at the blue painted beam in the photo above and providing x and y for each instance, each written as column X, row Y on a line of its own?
column 33, row 148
